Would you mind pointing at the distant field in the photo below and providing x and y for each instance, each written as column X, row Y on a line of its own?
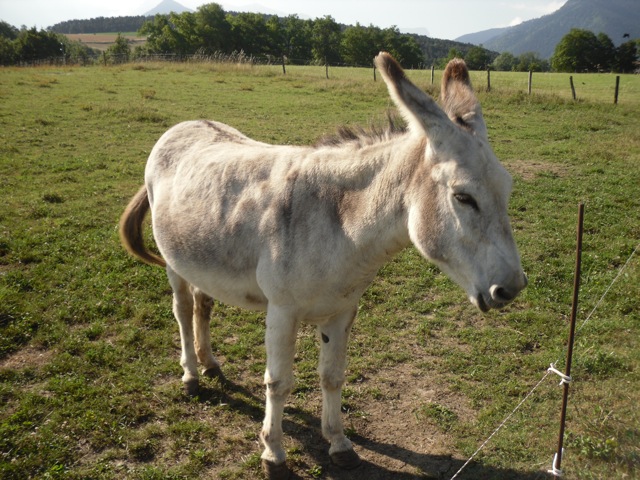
column 89, row 350
column 102, row 41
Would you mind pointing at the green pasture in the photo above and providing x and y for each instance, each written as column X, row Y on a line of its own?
column 89, row 373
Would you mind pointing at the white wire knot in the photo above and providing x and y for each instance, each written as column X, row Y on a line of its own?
column 554, row 470
column 563, row 378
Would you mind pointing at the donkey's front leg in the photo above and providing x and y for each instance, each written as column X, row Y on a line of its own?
column 333, row 361
column 280, row 339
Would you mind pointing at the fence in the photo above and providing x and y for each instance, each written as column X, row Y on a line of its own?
column 554, row 470
column 488, row 81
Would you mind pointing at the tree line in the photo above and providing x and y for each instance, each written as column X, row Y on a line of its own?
column 100, row 25
column 212, row 31
column 32, row 45
column 579, row 51
column 583, row 51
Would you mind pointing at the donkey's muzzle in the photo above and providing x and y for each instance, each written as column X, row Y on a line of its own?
column 501, row 295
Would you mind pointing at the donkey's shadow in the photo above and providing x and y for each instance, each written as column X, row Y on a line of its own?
column 306, row 429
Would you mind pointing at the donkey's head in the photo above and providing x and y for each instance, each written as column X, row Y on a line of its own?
column 457, row 201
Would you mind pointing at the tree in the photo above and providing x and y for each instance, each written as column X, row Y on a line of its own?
column 477, row 58
column 249, row 33
column 8, row 54
column 32, row 45
column 8, row 31
column 290, row 37
column 120, row 51
column 530, row 62
column 577, row 51
column 326, row 35
column 626, row 57
column 605, row 53
column 505, row 62
column 297, row 35
column 160, row 34
column 182, row 35
column 404, row 48
column 77, row 52
column 360, row 44
column 212, row 29
column 453, row 53
column 441, row 63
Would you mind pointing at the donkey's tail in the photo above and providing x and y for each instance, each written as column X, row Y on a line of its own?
column 131, row 229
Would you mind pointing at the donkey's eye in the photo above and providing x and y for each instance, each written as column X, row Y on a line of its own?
column 466, row 199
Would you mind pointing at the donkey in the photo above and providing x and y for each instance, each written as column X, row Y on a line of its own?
column 301, row 231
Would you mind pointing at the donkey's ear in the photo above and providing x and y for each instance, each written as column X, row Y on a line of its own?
column 458, row 99
column 422, row 113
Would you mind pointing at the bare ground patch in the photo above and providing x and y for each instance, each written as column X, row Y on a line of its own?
column 27, row 357
column 381, row 416
column 530, row 169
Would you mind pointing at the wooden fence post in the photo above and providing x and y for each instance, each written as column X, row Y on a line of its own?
column 617, row 89
column 326, row 68
column 433, row 69
column 488, row 79
column 573, row 89
column 284, row 68
column 374, row 73
column 530, row 80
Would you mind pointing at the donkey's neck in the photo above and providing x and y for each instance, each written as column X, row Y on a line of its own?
column 373, row 208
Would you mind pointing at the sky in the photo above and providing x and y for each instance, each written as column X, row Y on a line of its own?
column 445, row 19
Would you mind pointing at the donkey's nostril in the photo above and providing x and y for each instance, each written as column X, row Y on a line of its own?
column 501, row 294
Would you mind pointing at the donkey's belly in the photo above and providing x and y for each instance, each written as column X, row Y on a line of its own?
column 239, row 291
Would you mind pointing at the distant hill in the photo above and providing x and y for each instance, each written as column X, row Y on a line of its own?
column 435, row 49
column 616, row 18
column 167, row 6
column 480, row 38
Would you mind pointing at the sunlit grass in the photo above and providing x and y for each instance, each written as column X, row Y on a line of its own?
column 90, row 380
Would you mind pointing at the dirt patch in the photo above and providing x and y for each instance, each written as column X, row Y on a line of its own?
column 27, row 357
column 393, row 436
column 382, row 418
column 529, row 169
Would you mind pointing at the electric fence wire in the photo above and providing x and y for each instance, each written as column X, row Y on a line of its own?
column 547, row 372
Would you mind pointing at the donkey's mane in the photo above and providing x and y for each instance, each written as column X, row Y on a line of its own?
column 364, row 136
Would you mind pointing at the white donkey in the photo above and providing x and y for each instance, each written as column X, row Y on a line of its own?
column 300, row 231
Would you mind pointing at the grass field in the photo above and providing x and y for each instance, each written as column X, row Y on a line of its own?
column 102, row 41
column 89, row 374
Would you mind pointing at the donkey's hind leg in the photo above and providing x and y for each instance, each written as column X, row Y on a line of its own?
column 183, row 311
column 202, row 305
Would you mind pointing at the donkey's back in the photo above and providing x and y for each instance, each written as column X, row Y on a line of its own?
column 251, row 223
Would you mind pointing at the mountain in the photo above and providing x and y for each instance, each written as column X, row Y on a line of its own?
column 616, row 18
column 166, row 7
column 480, row 38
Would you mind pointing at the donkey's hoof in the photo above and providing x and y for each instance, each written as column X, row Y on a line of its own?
column 214, row 372
column 275, row 471
column 347, row 459
column 192, row 387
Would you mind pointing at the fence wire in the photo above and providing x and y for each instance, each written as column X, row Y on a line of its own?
column 547, row 372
